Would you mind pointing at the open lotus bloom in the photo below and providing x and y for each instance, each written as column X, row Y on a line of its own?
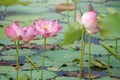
column 89, row 20
column 29, row 33
column 47, row 28
column 15, row 32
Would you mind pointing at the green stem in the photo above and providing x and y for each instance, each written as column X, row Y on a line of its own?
column 68, row 12
column 31, row 73
column 75, row 11
column 81, row 53
column 108, row 69
column 43, row 59
column 89, row 57
column 17, row 58
column 116, row 48
column 5, row 12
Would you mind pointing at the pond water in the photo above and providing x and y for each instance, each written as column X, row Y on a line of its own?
column 61, row 61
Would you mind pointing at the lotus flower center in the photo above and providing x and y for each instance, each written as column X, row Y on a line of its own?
column 46, row 27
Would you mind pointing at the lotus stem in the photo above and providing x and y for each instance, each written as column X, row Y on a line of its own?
column 116, row 42
column 108, row 69
column 81, row 54
column 43, row 59
column 31, row 73
column 5, row 12
column 68, row 12
column 89, row 56
column 17, row 58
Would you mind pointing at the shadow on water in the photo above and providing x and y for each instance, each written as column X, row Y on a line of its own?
column 93, row 40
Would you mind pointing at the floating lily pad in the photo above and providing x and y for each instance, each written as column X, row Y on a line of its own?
column 105, row 78
column 7, row 57
column 22, row 52
column 53, row 16
column 24, row 17
column 36, row 75
column 26, row 66
column 6, row 69
column 114, row 72
column 55, row 2
column 113, row 61
column 27, row 9
column 67, row 78
column 38, row 60
column 96, row 49
column 112, row 43
column 71, row 13
column 53, row 68
column 3, row 77
column 6, row 22
column 62, row 55
column 70, row 68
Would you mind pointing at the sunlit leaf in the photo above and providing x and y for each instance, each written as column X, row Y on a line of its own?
column 53, row 68
column 73, row 33
column 110, row 26
column 111, row 10
column 13, row 2
column 75, row 1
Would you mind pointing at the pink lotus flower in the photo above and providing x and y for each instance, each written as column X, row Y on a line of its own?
column 14, row 32
column 29, row 33
column 89, row 20
column 47, row 28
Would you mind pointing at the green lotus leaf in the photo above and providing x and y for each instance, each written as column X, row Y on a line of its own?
column 73, row 33
column 22, row 52
column 67, row 78
column 110, row 26
column 35, row 76
column 6, row 69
